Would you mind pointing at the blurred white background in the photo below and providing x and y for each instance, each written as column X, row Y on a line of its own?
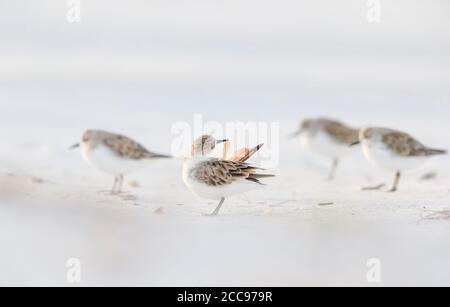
column 137, row 67
column 233, row 59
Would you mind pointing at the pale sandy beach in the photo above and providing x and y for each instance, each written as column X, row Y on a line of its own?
column 142, row 70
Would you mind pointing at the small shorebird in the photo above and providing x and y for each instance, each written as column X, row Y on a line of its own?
column 217, row 179
column 394, row 150
column 114, row 154
column 328, row 138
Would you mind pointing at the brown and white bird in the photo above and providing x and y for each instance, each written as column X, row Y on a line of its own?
column 394, row 150
column 328, row 138
column 114, row 154
column 217, row 179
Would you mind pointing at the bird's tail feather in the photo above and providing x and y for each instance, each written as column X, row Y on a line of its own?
column 436, row 151
column 158, row 156
column 255, row 177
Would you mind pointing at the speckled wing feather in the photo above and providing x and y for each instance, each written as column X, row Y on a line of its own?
column 217, row 172
column 246, row 153
column 341, row 132
column 405, row 145
column 126, row 147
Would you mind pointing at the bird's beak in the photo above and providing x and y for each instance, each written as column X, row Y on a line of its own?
column 221, row 141
column 74, row 146
column 355, row 143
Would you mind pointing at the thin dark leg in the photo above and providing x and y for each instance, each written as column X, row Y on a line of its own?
column 397, row 181
column 216, row 211
column 120, row 185
column 333, row 169
column 116, row 180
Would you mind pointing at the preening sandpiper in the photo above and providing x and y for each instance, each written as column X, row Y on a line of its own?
column 114, row 154
column 329, row 138
column 217, row 179
column 394, row 150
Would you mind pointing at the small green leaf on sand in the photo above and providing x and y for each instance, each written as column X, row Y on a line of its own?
column 325, row 204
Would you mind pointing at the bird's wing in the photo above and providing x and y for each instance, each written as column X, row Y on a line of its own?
column 217, row 172
column 126, row 147
column 341, row 132
column 405, row 145
column 245, row 153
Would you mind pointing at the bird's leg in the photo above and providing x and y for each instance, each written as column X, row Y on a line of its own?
column 397, row 181
column 333, row 169
column 113, row 190
column 216, row 211
column 120, row 185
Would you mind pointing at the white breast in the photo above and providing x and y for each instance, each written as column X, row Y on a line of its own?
column 381, row 155
column 323, row 144
column 105, row 160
